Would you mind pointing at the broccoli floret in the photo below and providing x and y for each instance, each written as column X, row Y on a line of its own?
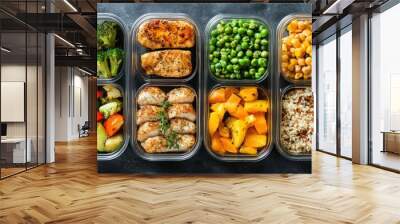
column 106, row 34
column 112, row 107
column 103, row 69
column 115, row 56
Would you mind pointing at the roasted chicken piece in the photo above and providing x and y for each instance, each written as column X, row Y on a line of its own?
column 148, row 130
column 182, row 126
column 185, row 111
column 147, row 113
column 161, row 33
column 159, row 144
column 167, row 63
column 151, row 96
column 181, row 95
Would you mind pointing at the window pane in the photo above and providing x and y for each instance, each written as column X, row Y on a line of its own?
column 327, row 96
column 385, row 115
column 346, row 94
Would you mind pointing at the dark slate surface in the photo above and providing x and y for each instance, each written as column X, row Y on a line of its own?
column 202, row 162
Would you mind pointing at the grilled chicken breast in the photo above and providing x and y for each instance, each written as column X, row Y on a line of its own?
column 185, row 111
column 148, row 130
column 147, row 113
column 159, row 144
column 167, row 63
column 151, row 96
column 161, row 33
column 182, row 126
column 181, row 95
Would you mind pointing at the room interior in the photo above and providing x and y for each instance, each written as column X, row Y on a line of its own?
column 47, row 89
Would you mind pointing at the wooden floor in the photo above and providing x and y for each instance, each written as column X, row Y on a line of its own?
column 70, row 191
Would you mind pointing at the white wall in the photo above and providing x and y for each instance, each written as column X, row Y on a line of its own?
column 69, row 81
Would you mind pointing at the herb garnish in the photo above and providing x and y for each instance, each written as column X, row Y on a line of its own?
column 171, row 136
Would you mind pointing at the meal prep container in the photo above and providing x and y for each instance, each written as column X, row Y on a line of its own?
column 138, row 50
column 227, row 17
column 140, row 80
column 117, row 153
column 281, row 149
column 263, row 94
column 123, row 44
column 281, row 33
column 178, row 156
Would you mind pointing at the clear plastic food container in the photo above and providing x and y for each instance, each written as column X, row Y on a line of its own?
column 138, row 49
column 228, row 17
column 101, row 17
column 264, row 152
column 281, row 33
column 280, row 147
column 117, row 153
column 178, row 156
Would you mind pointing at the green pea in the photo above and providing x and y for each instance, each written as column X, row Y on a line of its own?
column 214, row 33
column 249, row 53
column 256, row 46
column 241, row 30
column 262, row 62
column 229, row 67
column 264, row 54
column 224, row 71
column 247, row 61
column 224, row 57
column 264, row 42
column 211, row 57
column 264, row 32
column 218, row 66
column 246, row 74
column 227, row 45
column 245, row 25
column 258, row 75
column 233, row 44
column 237, row 37
column 238, row 48
column 215, row 60
column 252, row 25
column 240, row 22
column 250, row 32
column 233, row 53
column 220, row 30
column 264, row 48
column 256, row 54
column 246, row 39
column 244, row 45
column 252, row 71
column 238, row 76
column 240, row 54
column 217, row 73
column 242, row 62
column 212, row 68
column 232, row 76
column 226, row 38
column 220, row 43
column 211, row 48
column 257, row 36
column 213, row 41
column 228, row 30
column 261, row 70
column 234, row 22
column 216, row 54
column 254, row 62
column 236, row 68
column 235, row 30
column 234, row 60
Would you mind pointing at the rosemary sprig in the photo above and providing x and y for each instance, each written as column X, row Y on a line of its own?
column 171, row 136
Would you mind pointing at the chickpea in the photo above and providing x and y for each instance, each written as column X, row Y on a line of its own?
column 293, row 61
column 296, row 43
column 297, row 68
column 298, row 75
column 291, row 67
column 309, row 50
column 285, row 58
column 299, row 52
column 301, row 61
column 306, row 70
column 308, row 61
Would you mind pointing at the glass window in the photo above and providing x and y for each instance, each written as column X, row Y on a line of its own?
column 327, row 96
column 385, row 89
column 346, row 93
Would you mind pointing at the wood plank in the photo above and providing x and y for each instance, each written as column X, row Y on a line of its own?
column 71, row 191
